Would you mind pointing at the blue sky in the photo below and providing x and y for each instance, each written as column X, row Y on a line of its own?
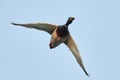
column 25, row 54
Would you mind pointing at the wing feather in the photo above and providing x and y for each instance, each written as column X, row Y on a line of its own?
column 40, row 26
column 73, row 47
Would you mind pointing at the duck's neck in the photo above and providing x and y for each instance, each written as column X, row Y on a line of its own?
column 69, row 21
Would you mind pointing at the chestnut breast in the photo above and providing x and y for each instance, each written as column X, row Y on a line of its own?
column 62, row 31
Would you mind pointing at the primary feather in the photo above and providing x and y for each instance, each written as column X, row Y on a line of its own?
column 40, row 26
column 73, row 47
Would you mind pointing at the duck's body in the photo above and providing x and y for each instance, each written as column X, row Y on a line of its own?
column 62, row 31
column 55, row 39
column 59, row 34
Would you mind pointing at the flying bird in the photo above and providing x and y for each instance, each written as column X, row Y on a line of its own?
column 59, row 34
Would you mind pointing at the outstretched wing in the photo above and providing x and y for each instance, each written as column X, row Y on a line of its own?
column 40, row 26
column 72, row 46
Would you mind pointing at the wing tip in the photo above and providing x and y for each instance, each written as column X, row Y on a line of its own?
column 14, row 23
column 88, row 74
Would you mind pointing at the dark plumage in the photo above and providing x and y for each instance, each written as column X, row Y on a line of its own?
column 62, row 31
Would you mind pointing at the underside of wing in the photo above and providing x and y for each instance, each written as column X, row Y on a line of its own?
column 40, row 26
column 72, row 46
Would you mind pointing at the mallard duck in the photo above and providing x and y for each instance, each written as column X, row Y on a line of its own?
column 59, row 34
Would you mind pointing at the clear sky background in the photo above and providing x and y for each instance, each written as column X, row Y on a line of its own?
column 25, row 54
